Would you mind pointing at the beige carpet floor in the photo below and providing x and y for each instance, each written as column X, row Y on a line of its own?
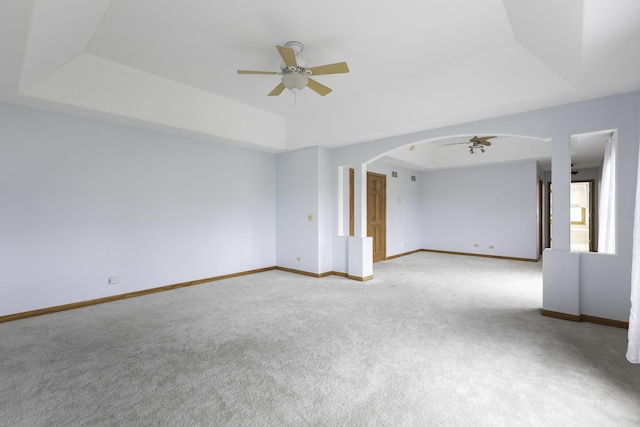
column 433, row 340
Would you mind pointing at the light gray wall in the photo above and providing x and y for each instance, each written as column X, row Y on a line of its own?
column 486, row 206
column 605, row 280
column 558, row 123
column 403, row 208
column 297, row 198
column 84, row 200
column 326, row 211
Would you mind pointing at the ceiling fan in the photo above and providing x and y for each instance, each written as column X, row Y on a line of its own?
column 295, row 74
column 476, row 143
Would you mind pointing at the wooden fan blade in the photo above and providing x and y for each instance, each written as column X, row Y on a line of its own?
column 257, row 72
column 482, row 138
column 277, row 90
column 288, row 56
column 337, row 68
column 318, row 87
column 455, row 143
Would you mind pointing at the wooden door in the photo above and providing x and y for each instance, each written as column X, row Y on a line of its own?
column 593, row 247
column 540, row 215
column 377, row 214
column 549, row 219
column 352, row 204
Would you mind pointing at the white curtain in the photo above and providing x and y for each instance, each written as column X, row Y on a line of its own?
column 607, row 209
column 633, row 351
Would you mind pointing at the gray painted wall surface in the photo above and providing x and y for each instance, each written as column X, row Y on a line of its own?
column 84, row 200
column 488, row 206
column 297, row 199
column 618, row 112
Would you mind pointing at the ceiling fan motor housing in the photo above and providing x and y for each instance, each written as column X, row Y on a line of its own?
column 296, row 46
column 301, row 67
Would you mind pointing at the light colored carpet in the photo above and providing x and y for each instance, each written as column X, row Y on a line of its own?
column 434, row 339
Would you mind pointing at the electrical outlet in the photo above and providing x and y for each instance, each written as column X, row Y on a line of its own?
column 310, row 217
column 298, row 259
column 475, row 245
column 113, row 280
column 491, row 247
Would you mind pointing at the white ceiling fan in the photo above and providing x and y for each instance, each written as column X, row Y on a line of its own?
column 295, row 75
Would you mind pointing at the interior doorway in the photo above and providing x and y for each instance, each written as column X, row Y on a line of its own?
column 549, row 219
column 377, row 214
column 582, row 216
column 540, row 213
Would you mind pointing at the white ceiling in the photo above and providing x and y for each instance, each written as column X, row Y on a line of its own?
column 415, row 65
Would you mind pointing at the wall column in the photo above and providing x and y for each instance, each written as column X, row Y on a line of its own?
column 360, row 246
column 561, row 193
column 561, row 268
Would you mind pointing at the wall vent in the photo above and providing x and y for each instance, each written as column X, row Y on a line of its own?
column 413, row 177
column 394, row 174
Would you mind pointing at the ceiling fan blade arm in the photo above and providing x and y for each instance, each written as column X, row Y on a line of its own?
column 480, row 138
column 258, row 72
column 337, row 68
column 288, row 56
column 318, row 87
column 277, row 90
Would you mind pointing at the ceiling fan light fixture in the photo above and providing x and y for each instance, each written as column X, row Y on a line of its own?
column 294, row 81
column 474, row 148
